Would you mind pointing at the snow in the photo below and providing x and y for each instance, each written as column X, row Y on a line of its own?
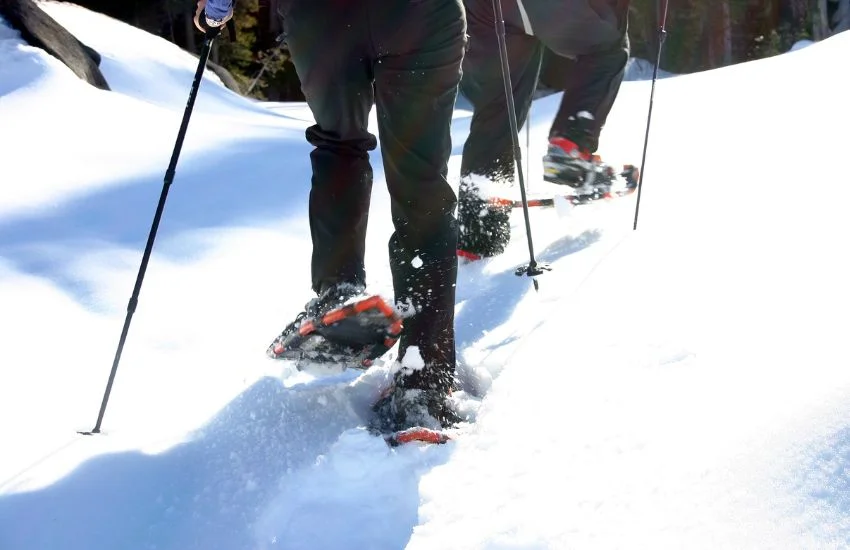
column 800, row 44
column 685, row 385
column 641, row 69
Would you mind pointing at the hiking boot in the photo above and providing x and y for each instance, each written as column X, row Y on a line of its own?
column 419, row 398
column 401, row 408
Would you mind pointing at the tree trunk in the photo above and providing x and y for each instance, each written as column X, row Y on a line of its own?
column 717, row 30
column 819, row 21
column 189, row 20
column 169, row 12
column 726, row 31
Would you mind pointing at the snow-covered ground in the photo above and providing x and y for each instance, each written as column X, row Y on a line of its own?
column 685, row 385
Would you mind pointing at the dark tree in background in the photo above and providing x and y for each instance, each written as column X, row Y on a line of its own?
column 702, row 34
column 706, row 34
column 256, row 50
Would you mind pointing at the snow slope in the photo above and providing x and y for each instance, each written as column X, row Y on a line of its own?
column 680, row 386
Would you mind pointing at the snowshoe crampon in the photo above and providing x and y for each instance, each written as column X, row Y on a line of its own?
column 354, row 335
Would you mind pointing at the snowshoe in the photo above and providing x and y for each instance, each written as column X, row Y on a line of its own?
column 568, row 164
column 353, row 334
column 607, row 188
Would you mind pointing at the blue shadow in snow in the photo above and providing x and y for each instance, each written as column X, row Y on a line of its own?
column 231, row 190
column 494, row 305
column 211, row 491
column 824, row 482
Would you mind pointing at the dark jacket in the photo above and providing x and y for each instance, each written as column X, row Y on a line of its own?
column 568, row 27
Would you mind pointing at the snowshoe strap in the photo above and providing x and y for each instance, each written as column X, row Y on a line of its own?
column 418, row 433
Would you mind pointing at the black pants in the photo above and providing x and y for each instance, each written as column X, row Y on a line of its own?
column 591, row 42
column 404, row 56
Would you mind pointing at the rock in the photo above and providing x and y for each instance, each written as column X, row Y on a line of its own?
column 42, row 31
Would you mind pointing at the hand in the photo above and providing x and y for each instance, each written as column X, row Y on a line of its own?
column 200, row 9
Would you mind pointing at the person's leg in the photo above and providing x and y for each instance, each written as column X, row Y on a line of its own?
column 591, row 84
column 336, row 78
column 420, row 48
column 589, row 61
column 487, row 166
column 488, row 149
column 591, row 52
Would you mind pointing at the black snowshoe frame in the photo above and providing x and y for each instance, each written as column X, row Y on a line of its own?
column 353, row 335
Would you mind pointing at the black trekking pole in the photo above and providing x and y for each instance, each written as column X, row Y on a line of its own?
column 528, row 145
column 662, row 34
column 533, row 268
column 169, row 178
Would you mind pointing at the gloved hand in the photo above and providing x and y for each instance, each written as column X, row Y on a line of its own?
column 216, row 13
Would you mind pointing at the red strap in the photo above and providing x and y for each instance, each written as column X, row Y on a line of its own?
column 425, row 435
column 570, row 147
column 468, row 255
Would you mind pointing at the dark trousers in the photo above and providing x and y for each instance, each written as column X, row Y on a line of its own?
column 404, row 56
column 591, row 42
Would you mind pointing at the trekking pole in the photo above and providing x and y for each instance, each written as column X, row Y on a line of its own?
column 533, row 268
column 662, row 34
column 169, row 178
column 528, row 146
